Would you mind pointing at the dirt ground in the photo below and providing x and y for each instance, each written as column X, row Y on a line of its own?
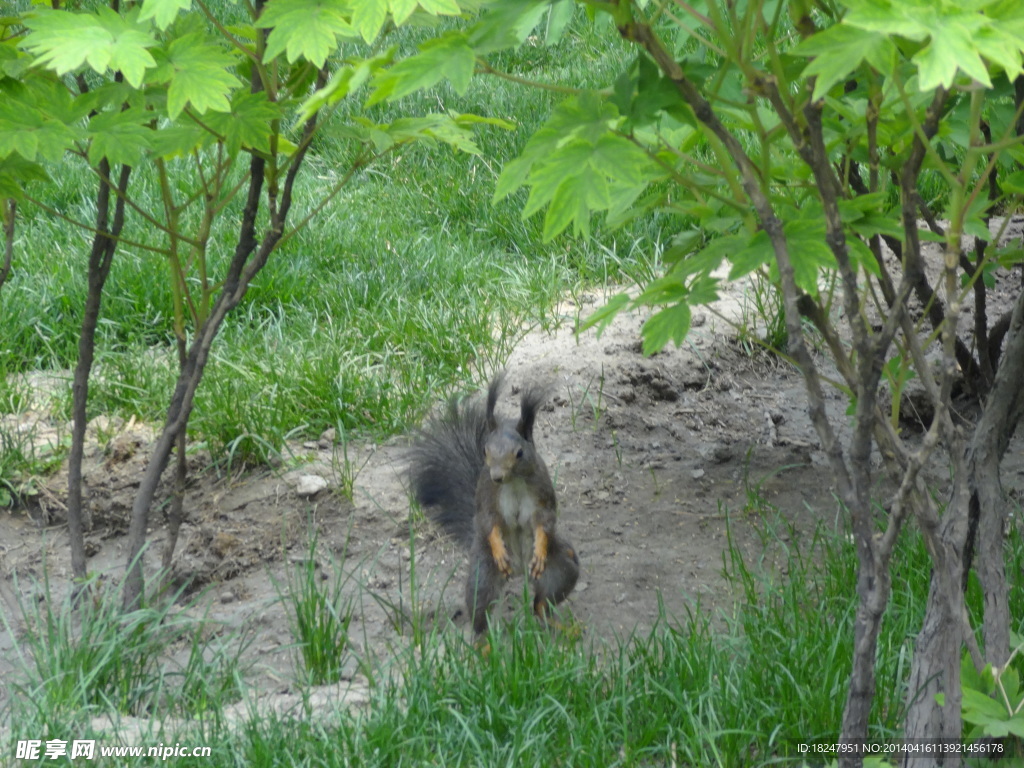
column 652, row 457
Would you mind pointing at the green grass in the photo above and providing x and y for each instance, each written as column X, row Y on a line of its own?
column 409, row 284
column 740, row 688
column 90, row 657
column 319, row 614
column 27, row 450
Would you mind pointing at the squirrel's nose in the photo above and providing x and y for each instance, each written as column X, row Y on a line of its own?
column 497, row 475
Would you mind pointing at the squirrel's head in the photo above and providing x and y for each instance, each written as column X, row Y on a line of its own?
column 506, row 454
column 508, row 451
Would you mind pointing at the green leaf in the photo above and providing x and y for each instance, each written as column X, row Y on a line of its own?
column 573, row 201
column 951, row 49
column 1011, row 684
column 64, row 41
column 839, row 50
column 974, row 219
column 1014, row 183
column 105, row 41
column 248, row 124
column 559, row 15
column 545, row 180
column 619, row 158
column 1016, row 726
column 344, row 81
column 449, row 56
column 513, row 176
column 669, row 289
column 401, row 10
column 808, row 252
column 306, row 29
column 958, row 35
column 28, row 132
column 670, row 324
column 578, row 166
column 980, row 709
column 1002, row 48
column 862, row 256
column 179, row 140
column 442, row 128
column 745, row 254
column 603, row 317
column 201, row 75
column 906, row 18
column 470, row 119
column 13, row 63
column 163, row 12
column 506, row 24
column 440, row 7
column 121, row 137
column 368, row 17
column 15, row 173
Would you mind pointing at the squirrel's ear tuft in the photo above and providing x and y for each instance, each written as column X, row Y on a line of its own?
column 492, row 399
column 530, row 402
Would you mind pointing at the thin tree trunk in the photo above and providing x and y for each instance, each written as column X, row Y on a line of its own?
column 191, row 374
column 240, row 274
column 100, row 258
column 990, row 440
column 935, row 668
column 873, row 586
column 10, row 209
column 176, row 513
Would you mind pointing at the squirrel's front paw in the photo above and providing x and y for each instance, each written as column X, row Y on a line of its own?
column 504, row 564
column 540, row 552
column 537, row 566
column 499, row 554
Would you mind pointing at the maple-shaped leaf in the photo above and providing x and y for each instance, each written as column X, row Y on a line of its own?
column 247, row 124
column 955, row 33
column 180, row 140
column 201, row 76
column 13, row 63
column 64, row 41
column 507, row 24
column 163, row 12
column 669, row 324
column 839, row 50
column 431, row 128
column 449, row 57
column 306, row 29
column 401, row 10
column 15, row 172
column 119, row 136
column 104, row 40
column 344, row 81
column 574, row 200
column 440, row 7
column 603, row 317
column 32, row 134
column 547, row 177
column 368, row 17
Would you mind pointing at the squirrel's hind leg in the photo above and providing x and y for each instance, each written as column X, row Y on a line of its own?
column 559, row 576
column 483, row 586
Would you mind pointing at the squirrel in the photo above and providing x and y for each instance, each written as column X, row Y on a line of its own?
column 482, row 481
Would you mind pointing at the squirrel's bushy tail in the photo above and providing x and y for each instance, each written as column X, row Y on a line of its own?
column 445, row 462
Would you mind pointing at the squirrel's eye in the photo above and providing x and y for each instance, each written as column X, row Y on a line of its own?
column 519, row 453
